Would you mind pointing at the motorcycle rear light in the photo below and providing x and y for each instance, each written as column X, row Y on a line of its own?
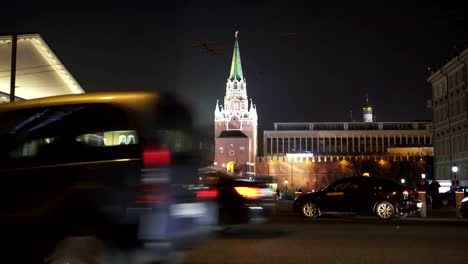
column 249, row 192
column 155, row 156
column 207, row 194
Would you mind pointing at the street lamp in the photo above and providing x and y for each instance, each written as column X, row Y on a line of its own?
column 423, row 176
column 454, row 175
column 286, row 187
column 403, row 181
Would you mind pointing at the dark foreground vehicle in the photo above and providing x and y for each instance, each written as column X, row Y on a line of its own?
column 464, row 207
column 448, row 198
column 85, row 176
column 240, row 200
column 359, row 195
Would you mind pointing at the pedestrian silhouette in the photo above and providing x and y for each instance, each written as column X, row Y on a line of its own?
column 434, row 193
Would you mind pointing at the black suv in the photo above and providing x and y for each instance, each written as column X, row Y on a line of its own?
column 84, row 175
column 359, row 195
column 448, row 198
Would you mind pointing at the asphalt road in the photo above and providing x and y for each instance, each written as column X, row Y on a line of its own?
column 288, row 239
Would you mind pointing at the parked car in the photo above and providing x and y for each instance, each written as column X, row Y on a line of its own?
column 112, row 169
column 359, row 195
column 241, row 200
column 464, row 207
column 448, row 198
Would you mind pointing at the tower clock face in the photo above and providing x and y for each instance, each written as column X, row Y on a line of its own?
column 232, row 153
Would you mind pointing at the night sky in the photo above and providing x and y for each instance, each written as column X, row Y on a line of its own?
column 301, row 62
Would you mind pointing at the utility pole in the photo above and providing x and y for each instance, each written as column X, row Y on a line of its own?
column 14, row 45
column 14, row 42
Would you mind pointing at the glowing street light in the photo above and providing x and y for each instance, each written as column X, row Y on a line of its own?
column 423, row 176
column 403, row 181
column 286, row 187
column 454, row 175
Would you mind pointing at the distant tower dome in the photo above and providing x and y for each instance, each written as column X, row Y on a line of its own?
column 367, row 111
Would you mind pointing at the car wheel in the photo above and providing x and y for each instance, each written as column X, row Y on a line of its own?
column 310, row 210
column 385, row 210
column 445, row 203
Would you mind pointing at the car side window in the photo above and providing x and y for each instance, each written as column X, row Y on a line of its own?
column 51, row 135
column 344, row 186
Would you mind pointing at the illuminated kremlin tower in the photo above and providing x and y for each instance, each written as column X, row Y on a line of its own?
column 235, row 123
column 367, row 111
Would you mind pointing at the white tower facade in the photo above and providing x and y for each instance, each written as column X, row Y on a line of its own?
column 367, row 111
column 236, row 123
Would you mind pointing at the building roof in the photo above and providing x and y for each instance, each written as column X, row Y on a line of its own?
column 236, row 66
column 456, row 61
column 39, row 73
column 348, row 126
column 232, row 134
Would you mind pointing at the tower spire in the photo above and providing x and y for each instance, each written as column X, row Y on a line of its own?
column 236, row 66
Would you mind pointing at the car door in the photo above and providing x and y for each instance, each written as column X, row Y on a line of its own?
column 335, row 198
column 360, row 195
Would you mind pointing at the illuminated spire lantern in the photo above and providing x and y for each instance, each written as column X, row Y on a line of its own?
column 236, row 67
column 367, row 111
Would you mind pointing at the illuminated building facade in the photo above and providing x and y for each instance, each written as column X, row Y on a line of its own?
column 313, row 155
column 450, row 118
column 235, row 123
column 39, row 73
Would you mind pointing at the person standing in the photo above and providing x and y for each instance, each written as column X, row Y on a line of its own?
column 434, row 193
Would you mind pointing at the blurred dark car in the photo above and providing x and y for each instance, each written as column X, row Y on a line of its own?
column 464, row 207
column 448, row 198
column 111, row 169
column 241, row 200
column 359, row 195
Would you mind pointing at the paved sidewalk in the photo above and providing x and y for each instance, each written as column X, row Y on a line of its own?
column 284, row 209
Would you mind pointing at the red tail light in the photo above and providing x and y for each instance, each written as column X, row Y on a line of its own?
column 249, row 192
column 156, row 156
column 207, row 194
column 406, row 193
column 151, row 194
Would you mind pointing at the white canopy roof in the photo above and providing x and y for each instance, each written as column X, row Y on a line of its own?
column 39, row 73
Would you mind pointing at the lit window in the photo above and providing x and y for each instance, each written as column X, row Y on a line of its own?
column 109, row 138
